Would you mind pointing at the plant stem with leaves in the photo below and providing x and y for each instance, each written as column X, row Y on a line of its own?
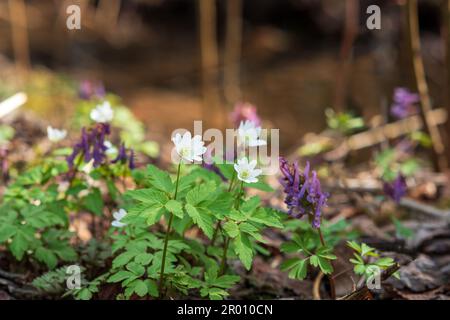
column 166, row 239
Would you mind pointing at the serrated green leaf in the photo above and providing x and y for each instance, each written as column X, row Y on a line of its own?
column 160, row 179
column 175, row 207
column 120, row 276
column 202, row 218
column 231, row 228
column 6, row 232
column 243, row 249
column 46, row 256
column 123, row 258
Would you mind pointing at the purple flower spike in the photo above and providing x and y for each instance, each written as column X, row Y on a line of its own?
column 121, row 155
column 396, row 189
column 131, row 163
column 123, row 158
column 303, row 192
column 91, row 145
column 404, row 103
column 244, row 111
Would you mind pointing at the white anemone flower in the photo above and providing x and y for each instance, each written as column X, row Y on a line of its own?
column 246, row 171
column 118, row 216
column 55, row 135
column 188, row 148
column 102, row 113
column 248, row 134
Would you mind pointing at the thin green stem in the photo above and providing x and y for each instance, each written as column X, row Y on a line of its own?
column 227, row 239
column 166, row 239
column 223, row 264
column 218, row 226
column 330, row 276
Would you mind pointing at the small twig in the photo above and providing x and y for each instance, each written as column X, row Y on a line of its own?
column 425, row 208
column 11, row 275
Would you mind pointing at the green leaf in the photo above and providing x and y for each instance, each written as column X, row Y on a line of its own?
column 226, row 281
column 385, row 262
column 152, row 288
column 299, row 270
column 267, row 217
column 259, row 186
column 200, row 193
column 6, row 232
column 251, row 204
column 19, row 245
column 250, row 230
column 93, row 202
column 140, row 287
column 314, row 260
column 148, row 196
column 84, row 294
column 202, row 218
column 325, row 265
column 123, row 258
column 44, row 255
column 136, row 268
column 359, row 269
column 231, row 228
column 290, row 247
column 160, row 179
column 120, row 276
column 243, row 249
column 175, row 207
column 143, row 258
column 354, row 245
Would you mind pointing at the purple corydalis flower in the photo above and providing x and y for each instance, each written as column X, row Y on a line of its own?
column 396, row 189
column 244, row 111
column 303, row 191
column 91, row 145
column 89, row 89
column 124, row 158
column 404, row 103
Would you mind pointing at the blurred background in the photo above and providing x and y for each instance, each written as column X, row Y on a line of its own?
column 175, row 61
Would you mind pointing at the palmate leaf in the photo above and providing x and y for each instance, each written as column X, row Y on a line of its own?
column 46, row 256
column 243, row 249
column 202, row 218
column 297, row 268
column 150, row 205
column 175, row 207
column 267, row 217
column 7, row 231
column 160, row 179
column 21, row 242
column 201, row 193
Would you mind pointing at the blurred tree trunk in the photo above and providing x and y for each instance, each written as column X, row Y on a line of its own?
column 19, row 33
column 233, row 43
column 349, row 35
column 211, row 111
